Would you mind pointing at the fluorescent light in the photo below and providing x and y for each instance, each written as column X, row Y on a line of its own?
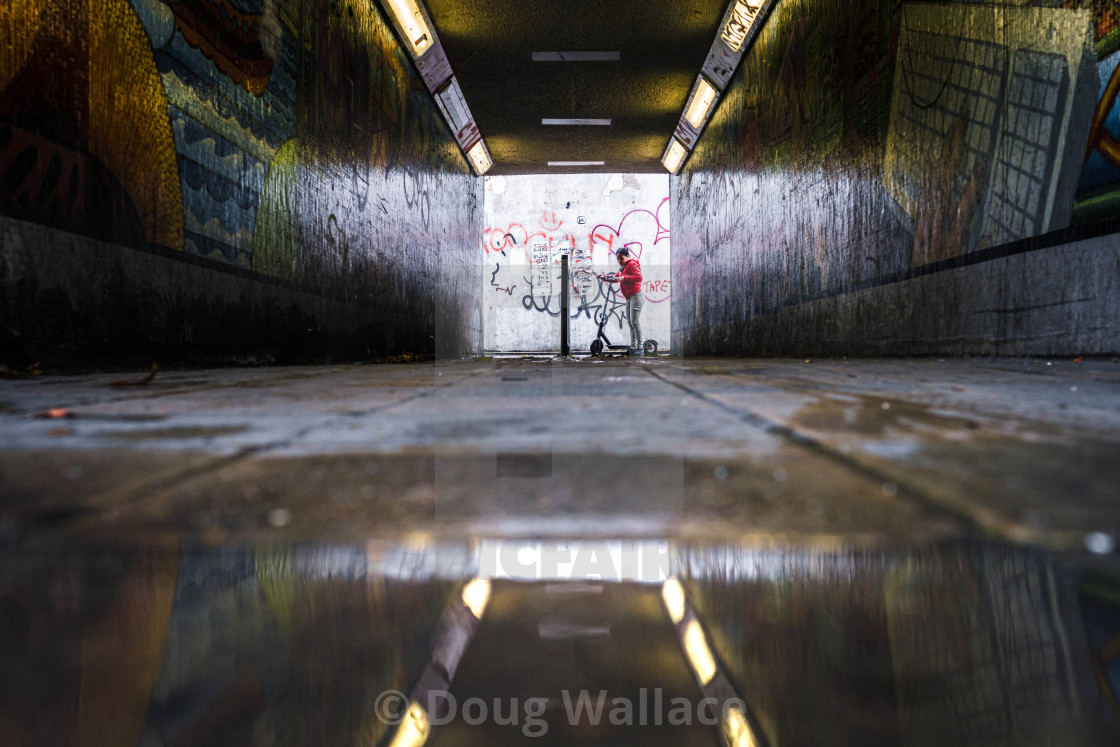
column 672, row 593
column 411, row 19
column 700, row 103
column 575, row 56
column 454, row 105
column 575, row 121
column 740, row 22
column 674, row 154
column 476, row 594
column 414, row 728
column 480, row 158
column 699, row 655
column 736, row 730
column 575, row 163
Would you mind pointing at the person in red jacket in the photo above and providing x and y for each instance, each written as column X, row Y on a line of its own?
column 630, row 276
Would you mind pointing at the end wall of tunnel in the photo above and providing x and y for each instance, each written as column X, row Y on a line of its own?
column 888, row 178
column 198, row 181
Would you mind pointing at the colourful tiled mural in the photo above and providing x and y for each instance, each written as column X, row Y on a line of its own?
column 292, row 138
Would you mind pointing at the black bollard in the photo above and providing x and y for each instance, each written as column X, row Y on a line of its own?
column 565, row 348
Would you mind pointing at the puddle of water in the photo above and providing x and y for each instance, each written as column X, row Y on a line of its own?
column 177, row 432
column 556, row 642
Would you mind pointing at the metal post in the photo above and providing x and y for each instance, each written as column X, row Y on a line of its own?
column 565, row 349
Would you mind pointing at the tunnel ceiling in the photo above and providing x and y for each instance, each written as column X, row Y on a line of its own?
column 661, row 43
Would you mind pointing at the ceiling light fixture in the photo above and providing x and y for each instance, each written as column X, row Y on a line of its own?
column 576, row 56
column 575, row 163
column 454, row 106
column 576, row 122
column 415, row 27
column 674, row 155
column 700, row 103
column 738, row 29
column 480, row 157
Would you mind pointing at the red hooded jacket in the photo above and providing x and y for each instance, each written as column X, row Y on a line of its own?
column 631, row 278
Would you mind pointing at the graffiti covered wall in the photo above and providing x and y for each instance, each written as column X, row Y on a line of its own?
column 890, row 177
column 532, row 220
column 283, row 151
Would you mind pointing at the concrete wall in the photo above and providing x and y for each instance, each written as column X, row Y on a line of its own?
column 593, row 216
column 231, row 178
column 899, row 178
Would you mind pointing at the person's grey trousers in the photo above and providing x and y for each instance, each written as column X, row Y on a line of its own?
column 634, row 306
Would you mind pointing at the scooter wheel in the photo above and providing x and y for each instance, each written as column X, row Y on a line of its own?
column 596, row 347
column 649, row 347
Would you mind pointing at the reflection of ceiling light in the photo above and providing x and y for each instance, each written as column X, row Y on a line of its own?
column 575, row 163
column 475, row 595
column 699, row 655
column 700, row 103
column 742, row 17
column 480, row 158
column 736, row 730
column 575, row 56
column 672, row 593
column 674, row 154
column 575, row 121
column 412, row 21
column 414, row 728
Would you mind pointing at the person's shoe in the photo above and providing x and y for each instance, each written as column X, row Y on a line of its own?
column 637, row 351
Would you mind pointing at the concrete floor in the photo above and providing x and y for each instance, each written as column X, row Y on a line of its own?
column 822, row 453
column 877, row 551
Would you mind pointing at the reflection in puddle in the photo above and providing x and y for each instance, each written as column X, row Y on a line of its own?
column 568, row 642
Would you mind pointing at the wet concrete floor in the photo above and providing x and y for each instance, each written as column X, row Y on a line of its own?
column 872, row 552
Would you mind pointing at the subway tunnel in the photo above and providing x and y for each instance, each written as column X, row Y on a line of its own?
column 325, row 424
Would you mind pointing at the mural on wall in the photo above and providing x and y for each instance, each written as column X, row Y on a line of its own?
column 533, row 220
column 290, row 137
column 861, row 140
column 1098, row 193
column 85, row 139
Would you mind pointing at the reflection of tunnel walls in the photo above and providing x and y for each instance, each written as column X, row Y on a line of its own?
column 964, row 644
column 813, row 218
column 285, row 148
column 990, row 635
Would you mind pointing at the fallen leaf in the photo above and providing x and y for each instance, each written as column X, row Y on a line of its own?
column 59, row 412
column 123, row 382
column 1079, row 359
column 31, row 370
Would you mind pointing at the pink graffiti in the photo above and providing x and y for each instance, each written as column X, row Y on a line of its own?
column 635, row 227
